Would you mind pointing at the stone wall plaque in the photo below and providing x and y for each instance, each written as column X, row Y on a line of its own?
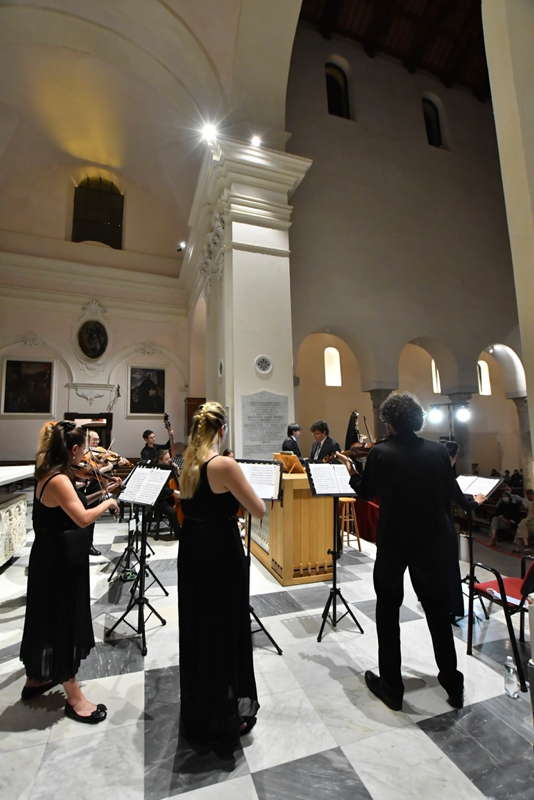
column 264, row 423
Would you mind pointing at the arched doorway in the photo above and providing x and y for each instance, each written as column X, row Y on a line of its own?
column 314, row 399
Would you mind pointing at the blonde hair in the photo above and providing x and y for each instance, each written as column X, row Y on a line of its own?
column 207, row 422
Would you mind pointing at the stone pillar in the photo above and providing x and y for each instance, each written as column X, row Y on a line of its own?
column 508, row 35
column 521, row 404
column 377, row 398
column 461, row 432
column 239, row 253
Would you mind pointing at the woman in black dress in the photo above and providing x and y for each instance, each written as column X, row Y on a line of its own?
column 217, row 686
column 58, row 630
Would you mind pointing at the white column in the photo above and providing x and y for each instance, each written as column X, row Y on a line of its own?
column 239, row 255
column 509, row 37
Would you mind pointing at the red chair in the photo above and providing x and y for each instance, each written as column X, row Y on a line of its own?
column 511, row 595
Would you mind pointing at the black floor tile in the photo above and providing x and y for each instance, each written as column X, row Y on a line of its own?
column 113, row 657
column 326, row 775
column 368, row 607
column 172, row 766
column 311, row 596
column 268, row 605
column 165, row 569
column 495, row 653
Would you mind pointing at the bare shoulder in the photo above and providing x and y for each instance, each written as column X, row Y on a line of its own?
column 224, row 464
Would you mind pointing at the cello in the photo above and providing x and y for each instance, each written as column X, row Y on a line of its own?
column 174, row 481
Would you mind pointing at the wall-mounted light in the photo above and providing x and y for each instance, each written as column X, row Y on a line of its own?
column 463, row 414
column 209, row 132
column 255, row 141
column 435, row 416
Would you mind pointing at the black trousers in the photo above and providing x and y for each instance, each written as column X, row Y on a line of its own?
column 166, row 510
column 428, row 573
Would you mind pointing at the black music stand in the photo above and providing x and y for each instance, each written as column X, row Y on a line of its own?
column 143, row 490
column 274, row 495
column 329, row 488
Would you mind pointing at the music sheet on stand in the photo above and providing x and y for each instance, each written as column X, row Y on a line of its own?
column 474, row 484
column 331, row 479
column 144, row 486
column 263, row 477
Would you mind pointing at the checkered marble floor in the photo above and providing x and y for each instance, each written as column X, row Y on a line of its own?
column 320, row 734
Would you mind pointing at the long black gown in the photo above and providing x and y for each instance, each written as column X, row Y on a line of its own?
column 217, row 684
column 58, row 630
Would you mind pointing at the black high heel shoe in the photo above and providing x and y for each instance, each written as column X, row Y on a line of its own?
column 93, row 719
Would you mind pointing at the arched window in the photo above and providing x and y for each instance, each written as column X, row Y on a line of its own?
column 337, row 91
column 432, row 123
column 484, row 383
column 436, row 382
column 97, row 216
column 332, row 367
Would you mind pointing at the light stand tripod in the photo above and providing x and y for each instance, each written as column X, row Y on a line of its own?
column 335, row 591
column 250, row 608
column 138, row 599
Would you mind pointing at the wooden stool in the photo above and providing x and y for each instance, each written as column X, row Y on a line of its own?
column 347, row 520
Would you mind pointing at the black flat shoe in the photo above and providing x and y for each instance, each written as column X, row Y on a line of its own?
column 97, row 716
column 375, row 685
column 247, row 723
column 34, row 691
column 94, row 552
column 456, row 699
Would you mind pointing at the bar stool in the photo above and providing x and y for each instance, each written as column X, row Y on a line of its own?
column 347, row 520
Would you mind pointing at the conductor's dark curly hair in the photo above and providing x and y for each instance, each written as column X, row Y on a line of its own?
column 403, row 411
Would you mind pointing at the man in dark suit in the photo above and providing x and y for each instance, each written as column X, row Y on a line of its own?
column 414, row 483
column 291, row 443
column 323, row 447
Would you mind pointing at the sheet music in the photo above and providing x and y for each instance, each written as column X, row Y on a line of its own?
column 474, row 484
column 263, row 477
column 331, row 479
column 144, row 486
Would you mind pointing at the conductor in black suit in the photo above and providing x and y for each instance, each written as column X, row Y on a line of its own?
column 414, row 483
column 323, row 447
column 291, row 443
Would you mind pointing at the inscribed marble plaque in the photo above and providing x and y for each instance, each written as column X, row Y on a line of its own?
column 264, row 423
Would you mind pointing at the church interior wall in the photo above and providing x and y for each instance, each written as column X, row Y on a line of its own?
column 387, row 227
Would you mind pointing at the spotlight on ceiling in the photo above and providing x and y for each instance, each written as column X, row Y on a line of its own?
column 209, row 132
column 463, row 414
column 435, row 416
column 181, row 246
column 255, row 141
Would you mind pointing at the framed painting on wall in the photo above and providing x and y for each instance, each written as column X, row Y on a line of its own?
column 27, row 387
column 146, row 391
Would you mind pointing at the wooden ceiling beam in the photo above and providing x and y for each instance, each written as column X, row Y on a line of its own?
column 428, row 25
column 471, row 29
column 329, row 18
column 378, row 26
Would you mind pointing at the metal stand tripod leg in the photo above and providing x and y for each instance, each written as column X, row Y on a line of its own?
column 261, row 626
column 129, row 550
column 139, row 599
column 335, row 591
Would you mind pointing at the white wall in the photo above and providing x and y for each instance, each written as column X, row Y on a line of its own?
column 146, row 324
column 393, row 239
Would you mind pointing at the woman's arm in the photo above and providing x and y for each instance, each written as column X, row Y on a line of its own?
column 228, row 473
column 61, row 492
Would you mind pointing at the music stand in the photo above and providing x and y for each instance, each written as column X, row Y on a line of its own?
column 143, row 488
column 327, row 480
column 260, row 478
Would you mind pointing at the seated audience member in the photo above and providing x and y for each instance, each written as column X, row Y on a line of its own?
column 228, row 453
column 475, row 469
column 167, row 498
column 494, row 473
column 291, row 443
column 525, row 529
column 150, row 451
column 509, row 511
column 516, row 482
column 323, row 447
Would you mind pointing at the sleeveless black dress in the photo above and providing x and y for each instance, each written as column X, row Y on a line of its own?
column 217, row 684
column 58, row 630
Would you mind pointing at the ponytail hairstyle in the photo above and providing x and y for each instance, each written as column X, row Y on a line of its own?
column 207, row 422
column 56, row 440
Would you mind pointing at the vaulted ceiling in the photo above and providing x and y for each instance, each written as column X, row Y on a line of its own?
column 442, row 37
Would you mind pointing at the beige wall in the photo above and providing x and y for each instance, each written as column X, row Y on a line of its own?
column 314, row 400
column 393, row 239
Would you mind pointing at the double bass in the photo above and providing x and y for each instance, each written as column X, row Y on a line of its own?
column 173, row 482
